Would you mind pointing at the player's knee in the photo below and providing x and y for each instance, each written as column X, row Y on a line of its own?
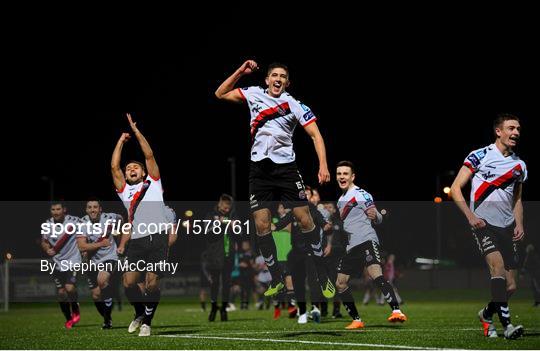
column 96, row 296
column 263, row 227
column 62, row 294
column 129, row 282
column 341, row 285
column 511, row 287
column 70, row 289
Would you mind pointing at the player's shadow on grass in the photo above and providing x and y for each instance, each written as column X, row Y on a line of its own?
column 175, row 326
column 533, row 334
column 322, row 332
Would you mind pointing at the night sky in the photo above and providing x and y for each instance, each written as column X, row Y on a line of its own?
column 404, row 105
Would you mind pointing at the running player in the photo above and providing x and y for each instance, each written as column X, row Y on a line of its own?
column 100, row 248
column 273, row 173
column 496, row 215
column 359, row 214
column 139, row 187
column 63, row 248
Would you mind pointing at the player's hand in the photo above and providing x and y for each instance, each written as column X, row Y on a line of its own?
column 371, row 213
column 105, row 243
column 327, row 227
column 273, row 227
column 248, row 67
column 327, row 250
column 132, row 124
column 124, row 138
column 324, row 175
column 519, row 233
column 120, row 250
column 51, row 252
column 476, row 223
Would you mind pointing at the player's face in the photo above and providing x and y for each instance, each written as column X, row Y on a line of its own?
column 134, row 173
column 315, row 197
column 330, row 207
column 224, row 207
column 93, row 210
column 277, row 81
column 509, row 133
column 344, row 177
column 57, row 212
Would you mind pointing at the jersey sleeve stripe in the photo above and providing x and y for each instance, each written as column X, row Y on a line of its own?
column 469, row 166
column 308, row 123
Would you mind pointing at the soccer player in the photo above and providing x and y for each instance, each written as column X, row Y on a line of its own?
column 496, row 215
column 100, row 248
column 274, row 175
column 139, row 187
column 359, row 213
column 223, row 249
column 63, row 248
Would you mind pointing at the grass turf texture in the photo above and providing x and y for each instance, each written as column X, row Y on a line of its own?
column 443, row 319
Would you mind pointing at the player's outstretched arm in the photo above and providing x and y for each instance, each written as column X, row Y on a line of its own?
column 318, row 141
column 90, row 247
column 151, row 164
column 116, row 170
column 463, row 177
column 226, row 90
column 519, row 231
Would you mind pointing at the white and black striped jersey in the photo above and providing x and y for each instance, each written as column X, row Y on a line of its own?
column 107, row 221
column 65, row 245
column 352, row 207
column 493, row 184
column 273, row 121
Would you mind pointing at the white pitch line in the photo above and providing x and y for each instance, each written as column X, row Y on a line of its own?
column 333, row 330
column 302, row 342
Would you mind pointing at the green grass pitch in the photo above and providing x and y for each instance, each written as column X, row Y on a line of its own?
column 436, row 320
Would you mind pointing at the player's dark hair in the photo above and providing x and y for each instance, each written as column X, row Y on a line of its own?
column 275, row 65
column 93, row 199
column 137, row 162
column 58, row 202
column 501, row 118
column 346, row 164
column 226, row 198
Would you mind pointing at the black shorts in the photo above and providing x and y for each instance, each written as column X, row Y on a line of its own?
column 92, row 276
column 359, row 257
column 269, row 181
column 150, row 249
column 492, row 238
column 284, row 268
column 62, row 278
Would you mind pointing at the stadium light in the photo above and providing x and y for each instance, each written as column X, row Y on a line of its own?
column 446, row 190
column 383, row 212
column 188, row 213
column 437, row 199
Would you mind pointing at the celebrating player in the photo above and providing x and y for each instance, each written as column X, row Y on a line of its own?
column 496, row 216
column 273, row 173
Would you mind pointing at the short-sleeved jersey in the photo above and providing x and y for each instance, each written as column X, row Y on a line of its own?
column 145, row 207
column 273, row 121
column 65, row 244
column 92, row 236
column 352, row 209
column 493, row 183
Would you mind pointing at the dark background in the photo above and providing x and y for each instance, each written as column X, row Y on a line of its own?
column 405, row 101
column 404, row 96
